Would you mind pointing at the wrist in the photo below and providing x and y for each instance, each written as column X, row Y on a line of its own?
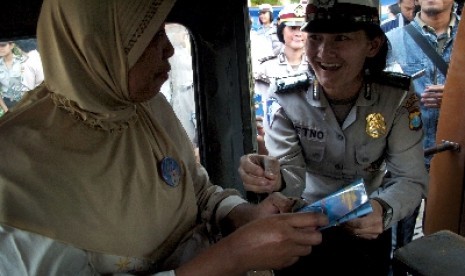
column 387, row 212
column 238, row 216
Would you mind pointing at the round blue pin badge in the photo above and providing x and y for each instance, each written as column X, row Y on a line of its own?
column 170, row 171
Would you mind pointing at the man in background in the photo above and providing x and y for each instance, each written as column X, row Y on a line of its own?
column 438, row 24
column 407, row 13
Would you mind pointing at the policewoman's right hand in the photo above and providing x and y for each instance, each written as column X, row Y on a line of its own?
column 260, row 173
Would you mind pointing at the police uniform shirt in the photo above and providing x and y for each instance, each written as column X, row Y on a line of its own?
column 273, row 67
column 312, row 147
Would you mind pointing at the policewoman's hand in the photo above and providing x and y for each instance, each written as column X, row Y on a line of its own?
column 260, row 173
column 370, row 226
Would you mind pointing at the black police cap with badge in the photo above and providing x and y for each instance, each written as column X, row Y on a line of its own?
column 330, row 16
column 339, row 16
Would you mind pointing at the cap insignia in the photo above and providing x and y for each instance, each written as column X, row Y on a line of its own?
column 325, row 3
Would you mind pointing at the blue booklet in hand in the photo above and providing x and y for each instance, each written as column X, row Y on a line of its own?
column 348, row 203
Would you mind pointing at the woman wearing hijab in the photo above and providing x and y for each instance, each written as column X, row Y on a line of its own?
column 101, row 178
column 351, row 121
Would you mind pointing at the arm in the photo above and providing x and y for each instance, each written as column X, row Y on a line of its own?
column 266, row 174
column 282, row 141
column 269, row 243
column 407, row 183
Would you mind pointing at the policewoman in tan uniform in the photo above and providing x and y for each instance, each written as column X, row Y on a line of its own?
column 347, row 119
column 291, row 58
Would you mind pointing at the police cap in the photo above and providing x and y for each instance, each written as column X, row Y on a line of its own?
column 265, row 8
column 332, row 16
column 292, row 15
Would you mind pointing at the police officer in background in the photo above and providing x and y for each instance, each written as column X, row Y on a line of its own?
column 352, row 121
column 267, row 27
column 291, row 58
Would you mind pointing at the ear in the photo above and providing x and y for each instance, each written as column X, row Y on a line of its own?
column 375, row 45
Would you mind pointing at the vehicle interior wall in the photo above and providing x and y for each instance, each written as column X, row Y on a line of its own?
column 220, row 38
column 220, row 44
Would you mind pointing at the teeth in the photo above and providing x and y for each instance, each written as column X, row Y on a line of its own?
column 330, row 65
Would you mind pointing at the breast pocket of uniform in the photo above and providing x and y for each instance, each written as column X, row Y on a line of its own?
column 313, row 151
column 371, row 155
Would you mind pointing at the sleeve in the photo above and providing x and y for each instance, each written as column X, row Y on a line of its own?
column 214, row 202
column 39, row 70
column 281, row 141
column 406, row 183
column 261, row 80
column 25, row 253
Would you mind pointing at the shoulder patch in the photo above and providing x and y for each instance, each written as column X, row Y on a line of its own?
column 272, row 106
column 291, row 83
column 411, row 104
column 394, row 79
column 263, row 59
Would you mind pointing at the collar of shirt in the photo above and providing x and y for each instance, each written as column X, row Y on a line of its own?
column 453, row 21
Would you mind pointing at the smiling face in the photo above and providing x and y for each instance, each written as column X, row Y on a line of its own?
column 151, row 70
column 293, row 37
column 338, row 59
column 265, row 18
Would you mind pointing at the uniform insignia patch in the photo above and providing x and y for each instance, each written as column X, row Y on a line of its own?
column 272, row 106
column 376, row 126
column 282, row 58
column 415, row 122
column 325, row 3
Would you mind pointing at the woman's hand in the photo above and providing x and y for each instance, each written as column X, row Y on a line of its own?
column 260, row 173
column 273, row 242
column 370, row 226
column 242, row 214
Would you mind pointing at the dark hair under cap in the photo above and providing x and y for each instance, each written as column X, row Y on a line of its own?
column 341, row 17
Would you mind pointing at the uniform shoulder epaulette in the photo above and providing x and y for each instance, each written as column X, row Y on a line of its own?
column 394, row 79
column 291, row 83
column 263, row 59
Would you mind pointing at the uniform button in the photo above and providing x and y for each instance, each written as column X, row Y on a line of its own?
column 340, row 137
column 365, row 159
column 338, row 167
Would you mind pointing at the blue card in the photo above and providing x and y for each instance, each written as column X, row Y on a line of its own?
column 348, row 203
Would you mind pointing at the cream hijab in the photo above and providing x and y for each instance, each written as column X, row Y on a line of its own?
column 80, row 162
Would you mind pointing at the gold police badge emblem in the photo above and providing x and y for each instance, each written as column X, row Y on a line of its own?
column 299, row 11
column 376, row 126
